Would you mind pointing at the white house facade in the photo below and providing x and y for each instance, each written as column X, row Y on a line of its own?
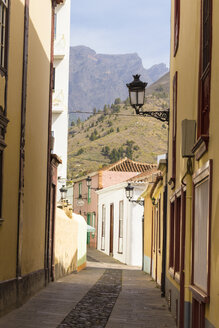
column 60, row 86
column 120, row 224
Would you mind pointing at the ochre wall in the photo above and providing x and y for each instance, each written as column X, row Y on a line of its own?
column 36, row 136
column 8, row 230
column 186, row 63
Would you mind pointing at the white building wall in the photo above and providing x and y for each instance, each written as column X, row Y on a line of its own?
column 60, row 94
column 132, row 224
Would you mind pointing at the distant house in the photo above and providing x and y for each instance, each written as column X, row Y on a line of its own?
column 120, row 224
column 85, row 199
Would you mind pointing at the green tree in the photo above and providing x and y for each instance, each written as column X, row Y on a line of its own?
column 117, row 101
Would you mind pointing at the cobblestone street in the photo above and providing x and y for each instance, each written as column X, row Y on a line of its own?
column 105, row 294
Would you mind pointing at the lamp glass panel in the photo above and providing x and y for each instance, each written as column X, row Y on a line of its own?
column 140, row 97
column 133, row 97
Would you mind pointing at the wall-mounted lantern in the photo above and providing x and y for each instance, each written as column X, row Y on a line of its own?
column 137, row 98
column 129, row 191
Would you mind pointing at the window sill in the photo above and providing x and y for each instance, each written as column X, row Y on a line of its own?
column 174, row 275
column 201, row 146
column 177, row 277
column 1, row 221
column 199, row 295
column 3, row 71
column 171, row 272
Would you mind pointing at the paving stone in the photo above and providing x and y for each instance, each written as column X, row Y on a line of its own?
column 106, row 294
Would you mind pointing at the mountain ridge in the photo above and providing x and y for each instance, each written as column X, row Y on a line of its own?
column 97, row 79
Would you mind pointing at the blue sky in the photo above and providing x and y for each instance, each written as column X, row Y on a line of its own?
column 123, row 26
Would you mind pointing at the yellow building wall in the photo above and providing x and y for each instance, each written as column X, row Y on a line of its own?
column 147, row 232
column 36, row 136
column 157, row 253
column 186, row 63
column 66, row 243
column 8, row 230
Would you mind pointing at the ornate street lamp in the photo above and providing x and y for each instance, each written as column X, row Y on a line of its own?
column 88, row 180
column 63, row 191
column 137, row 98
column 129, row 190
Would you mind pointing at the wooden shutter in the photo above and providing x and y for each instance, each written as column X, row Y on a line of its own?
column 174, row 127
column 205, row 68
column 176, row 25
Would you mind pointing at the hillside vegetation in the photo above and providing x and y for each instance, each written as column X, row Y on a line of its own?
column 115, row 132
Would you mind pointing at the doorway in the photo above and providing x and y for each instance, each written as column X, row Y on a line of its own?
column 111, row 227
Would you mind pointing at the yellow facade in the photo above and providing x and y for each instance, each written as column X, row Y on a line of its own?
column 154, row 226
column 187, row 63
column 22, row 258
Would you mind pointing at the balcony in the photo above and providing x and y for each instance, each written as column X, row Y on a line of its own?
column 58, row 102
column 59, row 47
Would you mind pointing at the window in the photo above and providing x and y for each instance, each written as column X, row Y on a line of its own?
column 176, row 25
column 80, row 190
column 103, row 227
column 201, row 231
column 89, row 195
column 205, row 68
column 159, row 223
column 175, row 234
column 3, row 34
column 171, row 238
column 121, row 220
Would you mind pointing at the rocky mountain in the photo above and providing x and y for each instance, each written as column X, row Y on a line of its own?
column 98, row 79
column 117, row 132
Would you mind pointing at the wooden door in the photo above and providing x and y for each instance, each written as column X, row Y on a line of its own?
column 111, row 227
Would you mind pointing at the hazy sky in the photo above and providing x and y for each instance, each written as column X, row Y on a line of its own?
column 123, row 26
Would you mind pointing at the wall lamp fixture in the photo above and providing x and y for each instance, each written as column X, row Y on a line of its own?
column 89, row 180
column 129, row 195
column 137, row 98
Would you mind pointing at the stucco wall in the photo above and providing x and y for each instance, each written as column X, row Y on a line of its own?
column 110, row 178
column 66, row 244
column 132, row 225
column 8, row 230
column 186, row 63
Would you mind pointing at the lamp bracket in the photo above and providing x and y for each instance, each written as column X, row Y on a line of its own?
column 161, row 115
column 139, row 202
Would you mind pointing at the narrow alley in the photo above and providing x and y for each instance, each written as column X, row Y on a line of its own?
column 105, row 294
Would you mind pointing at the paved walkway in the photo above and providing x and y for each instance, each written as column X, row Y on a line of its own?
column 105, row 294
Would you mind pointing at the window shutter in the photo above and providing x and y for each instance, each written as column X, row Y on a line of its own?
column 174, row 127
column 205, row 68
column 176, row 25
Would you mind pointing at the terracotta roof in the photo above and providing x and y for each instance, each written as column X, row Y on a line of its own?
column 127, row 165
column 146, row 176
